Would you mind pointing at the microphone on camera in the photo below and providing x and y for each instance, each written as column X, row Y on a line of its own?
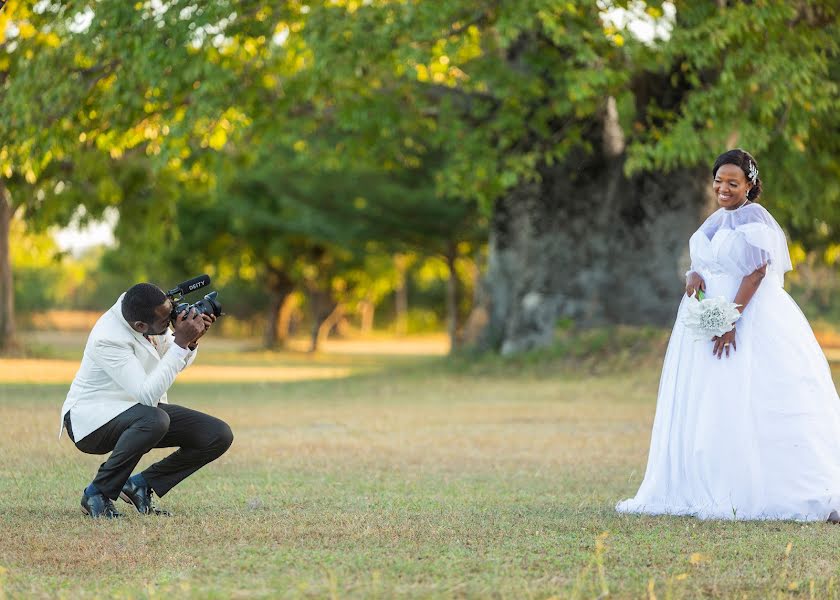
column 190, row 285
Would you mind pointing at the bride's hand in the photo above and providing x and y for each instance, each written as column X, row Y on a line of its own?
column 693, row 283
column 724, row 342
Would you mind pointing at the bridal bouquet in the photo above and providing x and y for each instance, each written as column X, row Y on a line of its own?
column 710, row 317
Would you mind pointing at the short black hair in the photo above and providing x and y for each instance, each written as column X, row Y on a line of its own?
column 140, row 302
column 743, row 159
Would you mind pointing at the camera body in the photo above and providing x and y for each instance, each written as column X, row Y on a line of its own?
column 208, row 305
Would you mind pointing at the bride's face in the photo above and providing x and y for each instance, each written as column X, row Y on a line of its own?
column 730, row 186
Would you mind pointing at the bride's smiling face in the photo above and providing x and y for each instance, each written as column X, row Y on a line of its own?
column 730, row 186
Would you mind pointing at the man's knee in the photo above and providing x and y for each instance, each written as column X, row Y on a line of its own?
column 223, row 437
column 154, row 422
column 160, row 421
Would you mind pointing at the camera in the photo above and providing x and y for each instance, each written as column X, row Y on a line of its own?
column 208, row 305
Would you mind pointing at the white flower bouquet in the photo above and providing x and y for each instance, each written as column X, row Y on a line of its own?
column 710, row 317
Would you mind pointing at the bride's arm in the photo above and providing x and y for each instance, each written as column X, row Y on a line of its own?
column 749, row 286
column 747, row 289
column 693, row 282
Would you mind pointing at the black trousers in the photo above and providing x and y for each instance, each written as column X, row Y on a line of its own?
column 128, row 436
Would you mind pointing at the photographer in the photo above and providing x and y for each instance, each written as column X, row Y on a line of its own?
column 117, row 402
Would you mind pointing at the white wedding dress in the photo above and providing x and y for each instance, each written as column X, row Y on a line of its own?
column 755, row 435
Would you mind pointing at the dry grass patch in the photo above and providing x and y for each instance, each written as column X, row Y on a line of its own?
column 40, row 371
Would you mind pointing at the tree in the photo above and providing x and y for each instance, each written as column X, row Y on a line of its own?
column 102, row 79
column 146, row 105
column 585, row 147
column 7, row 298
column 303, row 226
column 589, row 147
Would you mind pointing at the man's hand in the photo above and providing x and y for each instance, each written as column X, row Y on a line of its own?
column 188, row 327
column 208, row 321
column 693, row 283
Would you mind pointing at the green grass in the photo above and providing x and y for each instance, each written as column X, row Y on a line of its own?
column 426, row 478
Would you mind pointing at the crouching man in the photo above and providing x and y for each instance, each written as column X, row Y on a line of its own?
column 117, row 402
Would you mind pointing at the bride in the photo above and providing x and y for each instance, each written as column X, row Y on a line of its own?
column 747, row 425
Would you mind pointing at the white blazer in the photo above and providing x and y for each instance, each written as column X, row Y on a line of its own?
column 120, row 368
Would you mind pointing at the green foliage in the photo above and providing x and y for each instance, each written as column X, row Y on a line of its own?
column 502, row 90
column 762, row 76
column 131, row 73
column 243, row 139
column 494, row 90
column 37, row 264
column 481, row 95
column 333, row 230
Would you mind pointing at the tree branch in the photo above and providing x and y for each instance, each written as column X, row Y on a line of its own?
column 479, row 18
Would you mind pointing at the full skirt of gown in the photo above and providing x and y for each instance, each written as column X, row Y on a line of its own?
column 752, row 436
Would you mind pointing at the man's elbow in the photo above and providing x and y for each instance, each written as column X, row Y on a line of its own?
column 144, row 397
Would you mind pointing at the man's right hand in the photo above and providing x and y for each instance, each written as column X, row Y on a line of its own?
column 187, row 327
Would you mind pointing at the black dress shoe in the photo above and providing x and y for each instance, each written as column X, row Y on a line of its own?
column 97, row 506
column 141, row 497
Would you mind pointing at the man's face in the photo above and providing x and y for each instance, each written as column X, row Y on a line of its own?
column 161, row 322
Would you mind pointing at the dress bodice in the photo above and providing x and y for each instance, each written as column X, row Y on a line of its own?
column 718, row 256
column 735, row 243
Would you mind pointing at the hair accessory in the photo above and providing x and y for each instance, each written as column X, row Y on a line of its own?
column 753, row 175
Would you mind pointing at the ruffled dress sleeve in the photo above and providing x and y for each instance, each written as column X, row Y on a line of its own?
column 765, row 243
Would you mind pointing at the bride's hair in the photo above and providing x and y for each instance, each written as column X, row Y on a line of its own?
column 743, row 159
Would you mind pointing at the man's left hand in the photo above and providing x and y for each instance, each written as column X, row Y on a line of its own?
column 208, row 321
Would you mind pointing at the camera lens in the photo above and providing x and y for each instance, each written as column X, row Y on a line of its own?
column 209, row 305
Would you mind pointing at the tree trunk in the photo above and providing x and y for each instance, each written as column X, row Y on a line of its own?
column 328, row 324
column 322, row 306
column 284, row 328
column 367, row 310
column 452, row 321
column 280, row 286
column 588, row 244
column 401, row 294
column 8, row 341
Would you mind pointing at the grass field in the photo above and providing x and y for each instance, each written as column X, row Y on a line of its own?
column 366, row 474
